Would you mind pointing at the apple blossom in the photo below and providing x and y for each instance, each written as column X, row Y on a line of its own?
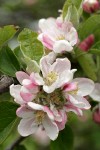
column 58, row 38
column 91, row 6
column 28, row 89
column 34, row 116
column 55, row 74
column 75, row 91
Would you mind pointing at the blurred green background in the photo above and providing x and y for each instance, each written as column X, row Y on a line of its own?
column 26, row 13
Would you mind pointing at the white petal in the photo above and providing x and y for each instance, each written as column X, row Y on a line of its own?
column 85, row 86
column 65, row 77
column 61, row 46
column 51, row 88
column 96, row 92
column 15, row 92
column 47, row 24
column 72, row 36
column 27, row 127
column 50, row 128
column 35, row 106
column 24, row 112
column 61, row 65
column 79, row 102
column 36, row 79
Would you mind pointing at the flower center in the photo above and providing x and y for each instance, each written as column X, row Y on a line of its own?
column 61, row 37
column 39, row 116
column 73, row 92
column 51, row 78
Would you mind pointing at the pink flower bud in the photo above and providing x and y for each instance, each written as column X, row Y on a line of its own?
column 96, row 115
column 90, row 6
column 86, row 44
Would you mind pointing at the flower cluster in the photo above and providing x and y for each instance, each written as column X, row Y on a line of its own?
column 45, row 98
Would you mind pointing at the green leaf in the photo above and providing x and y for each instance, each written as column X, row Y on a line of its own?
column 76, row 3
column 89, row 26
column 20, row 57
column 6, row 33
column 30, row 45
column 9, row 64
column 73, row 16
column 20, row 147
column 86, row 62
column 32, row 65
column 64, row 141
column 7, row 118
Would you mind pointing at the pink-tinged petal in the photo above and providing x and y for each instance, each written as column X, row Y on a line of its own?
column 27, row 127
column 36, row 79
column 61, row 65
column 26, row 95
column 72, row 36
column 15, row 92
column 85, row 86
column 47, row 42
column 56, row 113
column 49, row 112
column 61, row 125
column 20, row 75
column 59, row 22
column 79, row 101
column 70, row 107
column 61, row 46
column 70, row 87
column 28, row 84
column 35, row 106
column 47, row 24
column 95, row 94
column 24, row 112
column 50, row 128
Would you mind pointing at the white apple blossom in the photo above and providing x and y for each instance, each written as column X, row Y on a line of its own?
column 76, row 90
column 55, row 74
column 34, row 116
column 58, row 37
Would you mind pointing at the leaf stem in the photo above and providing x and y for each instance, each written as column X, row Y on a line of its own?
column 16, row 143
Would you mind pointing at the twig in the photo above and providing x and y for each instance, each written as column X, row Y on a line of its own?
column 16, row 143
column 5, row 82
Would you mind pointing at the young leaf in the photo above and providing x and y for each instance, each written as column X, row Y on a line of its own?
column 7, row 118
column 89, row 26
column 76, row 3
column 73, row 16
column 9, row 64
column 6, row 33
column 30, row 45
column 32, row 65
column 86, row 62
column 64, row 141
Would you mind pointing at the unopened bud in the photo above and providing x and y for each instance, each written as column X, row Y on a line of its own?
column 96, row 115
column 86, row 44
column 91, row 6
